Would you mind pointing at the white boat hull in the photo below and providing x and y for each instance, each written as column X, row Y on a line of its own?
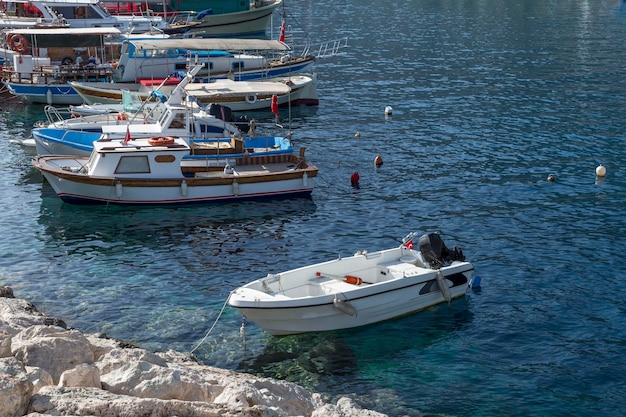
column 299, row 301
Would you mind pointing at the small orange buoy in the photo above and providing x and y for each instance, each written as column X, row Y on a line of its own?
column 354, row 179
column 378, row 161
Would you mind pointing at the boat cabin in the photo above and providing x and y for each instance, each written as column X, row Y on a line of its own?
column 158, row 157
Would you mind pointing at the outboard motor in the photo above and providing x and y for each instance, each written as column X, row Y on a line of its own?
column 435, row 252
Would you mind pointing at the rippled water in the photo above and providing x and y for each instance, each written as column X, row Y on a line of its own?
column 489, row 98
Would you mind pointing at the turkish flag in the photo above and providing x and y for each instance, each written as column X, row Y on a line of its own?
column 282, row 32
column 275, row 105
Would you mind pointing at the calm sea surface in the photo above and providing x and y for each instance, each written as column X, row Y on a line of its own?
column 489, row 98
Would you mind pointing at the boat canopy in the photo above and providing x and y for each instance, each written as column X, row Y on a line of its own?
column 80, row 37
column 227, row 88
column 206, row 44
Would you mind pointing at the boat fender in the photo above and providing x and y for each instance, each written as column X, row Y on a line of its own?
column 183, row 188
column 251, row 98
column 119, row 190
column 235, row 188
column 344, row 307
column 161, row 140
column 475, row 282
column 443, row 286
column 18, row 43
column 67, row 61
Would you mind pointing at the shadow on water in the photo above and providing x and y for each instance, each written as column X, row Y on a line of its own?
column 64, row 221
column 366, row 362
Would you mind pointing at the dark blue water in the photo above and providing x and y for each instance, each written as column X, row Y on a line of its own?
column 488, row 99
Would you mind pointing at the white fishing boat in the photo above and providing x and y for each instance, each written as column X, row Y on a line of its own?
column 238, row 59
column 40, row 63
column 148, row 171
column 358, row 290
column 238, row 95
column 73, row 14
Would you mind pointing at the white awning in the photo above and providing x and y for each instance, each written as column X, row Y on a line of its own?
column 229, row 88
column 64, row 31
column 210, row 44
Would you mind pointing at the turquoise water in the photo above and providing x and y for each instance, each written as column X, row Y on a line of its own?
column 488, row 99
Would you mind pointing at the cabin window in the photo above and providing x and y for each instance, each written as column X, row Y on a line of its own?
column 237, row 66
column 133, row 165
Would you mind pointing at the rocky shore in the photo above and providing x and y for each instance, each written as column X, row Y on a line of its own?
column 47, row 368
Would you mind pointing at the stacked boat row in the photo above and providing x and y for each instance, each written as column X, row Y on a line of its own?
column 38, row 68
column 168, row 150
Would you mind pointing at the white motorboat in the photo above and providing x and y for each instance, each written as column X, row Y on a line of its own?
column 238, row 95
column 358, row 290
column 85, row 14
column 149, row 171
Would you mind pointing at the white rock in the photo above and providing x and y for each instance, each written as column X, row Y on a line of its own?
column 345, row 408
column 39, row 378
column 84, row 375
column 52, row 348
column 15, row 388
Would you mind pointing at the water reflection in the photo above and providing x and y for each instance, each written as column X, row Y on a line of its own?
column 365, row 359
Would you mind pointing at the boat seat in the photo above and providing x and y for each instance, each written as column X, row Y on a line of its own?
column 393, row 270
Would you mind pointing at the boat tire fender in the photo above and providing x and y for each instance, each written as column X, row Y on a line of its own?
column 251, row 98
column 67, row 61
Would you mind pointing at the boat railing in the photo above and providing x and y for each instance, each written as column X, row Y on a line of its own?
column 58, row 74
column 326, row 49
column 54, row 114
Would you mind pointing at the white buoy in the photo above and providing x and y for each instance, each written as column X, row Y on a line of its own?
column 600, row 171
column 357, row 135
column 388, row 111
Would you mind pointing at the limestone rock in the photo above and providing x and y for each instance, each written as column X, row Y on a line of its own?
column 345, row 408
column 15, row 388
column 84, row 375
column 5, row 344
column 39, row 378
column 52, row 348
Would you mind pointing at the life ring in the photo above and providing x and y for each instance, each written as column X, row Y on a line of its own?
column 251, row 98
column 161, row 140
column 122, row 116
column 18, row 43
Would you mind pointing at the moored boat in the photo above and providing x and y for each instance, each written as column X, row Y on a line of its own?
column 358, row 290
column 42, row 64
column 82, row 14
column 148, row 171
column 224, row 18
column 238, row 95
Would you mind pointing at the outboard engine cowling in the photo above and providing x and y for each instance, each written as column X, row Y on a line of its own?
column 435, row 252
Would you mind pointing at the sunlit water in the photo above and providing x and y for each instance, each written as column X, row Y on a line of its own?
column 488, row 99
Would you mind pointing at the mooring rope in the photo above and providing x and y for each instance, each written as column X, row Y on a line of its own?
column 212, row 327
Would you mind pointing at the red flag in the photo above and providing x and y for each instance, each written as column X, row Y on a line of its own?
column 127, row 137
column 282, row 32
column 275, row 104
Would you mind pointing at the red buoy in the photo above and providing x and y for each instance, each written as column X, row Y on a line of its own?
column 354, row 179
column 378, row 161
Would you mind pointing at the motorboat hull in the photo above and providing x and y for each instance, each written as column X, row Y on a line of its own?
column 395, row 283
